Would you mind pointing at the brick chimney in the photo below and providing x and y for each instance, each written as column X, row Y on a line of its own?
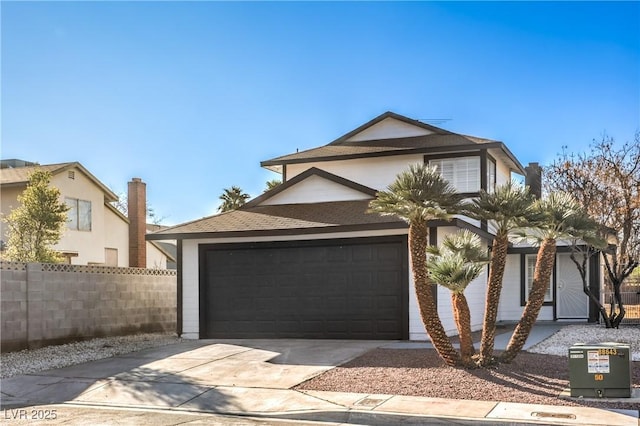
column 533, row 179
column 137, row 209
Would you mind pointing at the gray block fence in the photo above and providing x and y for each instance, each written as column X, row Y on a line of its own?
column 42, row 304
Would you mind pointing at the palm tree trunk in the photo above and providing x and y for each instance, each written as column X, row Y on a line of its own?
column 462, row 316
column 418, row 241
column 492, row 299
column 543, row 270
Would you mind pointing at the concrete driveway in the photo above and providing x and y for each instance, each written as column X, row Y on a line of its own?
column 232, row 376
column 189, row 382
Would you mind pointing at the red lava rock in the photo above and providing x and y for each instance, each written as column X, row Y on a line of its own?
column 530, row 378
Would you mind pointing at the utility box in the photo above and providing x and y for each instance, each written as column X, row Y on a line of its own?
column 600, row 370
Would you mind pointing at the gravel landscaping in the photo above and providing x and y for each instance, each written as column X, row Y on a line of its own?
column 33, row 361
column 536, row 377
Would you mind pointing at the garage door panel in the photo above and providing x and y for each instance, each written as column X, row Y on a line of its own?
column 337, row 254
column 361, row 282
column 389, row 253
column 315, row 327
column 361, row 305
column 331, row 284
column 353, row 289
column 335, row 306
column 363, row 326
column 312, row 306
column 363, row 254
column 316, row 256
column 261, row 307
column 387, row 327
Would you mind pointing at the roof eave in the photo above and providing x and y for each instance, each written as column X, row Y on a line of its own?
column 278, row 232
column 109, row 195
column 408, row 151
column 517, row 166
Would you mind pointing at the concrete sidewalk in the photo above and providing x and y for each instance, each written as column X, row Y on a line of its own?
column 251, row 379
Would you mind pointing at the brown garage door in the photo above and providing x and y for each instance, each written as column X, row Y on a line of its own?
column 334, row 289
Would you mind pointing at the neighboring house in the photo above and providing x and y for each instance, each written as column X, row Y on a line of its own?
column 97, row 232
column 167, row 249
column 307, row 260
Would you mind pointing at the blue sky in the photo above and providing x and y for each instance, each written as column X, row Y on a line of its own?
column 192, row 96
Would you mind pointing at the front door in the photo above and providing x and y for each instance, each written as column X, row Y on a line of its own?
column 572, row 302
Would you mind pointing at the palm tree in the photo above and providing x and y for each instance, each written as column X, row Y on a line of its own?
column 459, row 261
column 272, row 184
column 508, row 208
column 565, row 219
column 419, row 195
column 232, row 198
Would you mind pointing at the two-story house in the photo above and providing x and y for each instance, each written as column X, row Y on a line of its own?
column 307, row 260
column 96, row 232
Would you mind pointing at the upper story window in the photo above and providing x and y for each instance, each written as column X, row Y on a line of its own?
column 462, row 172
column 79, row 214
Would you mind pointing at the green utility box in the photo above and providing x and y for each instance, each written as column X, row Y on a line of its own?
column 600, row 370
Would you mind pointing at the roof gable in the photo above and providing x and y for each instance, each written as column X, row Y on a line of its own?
column 19, row 176
column 388, row 126
column 312, row 186
column 410, row 137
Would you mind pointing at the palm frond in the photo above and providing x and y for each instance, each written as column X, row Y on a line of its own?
column 458, row 261
column 452, row 271
column 565, row 217
column 418, row 194
column 509, row 207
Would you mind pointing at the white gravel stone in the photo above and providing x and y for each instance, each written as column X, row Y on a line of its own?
column 33, row 361
column 559, row 343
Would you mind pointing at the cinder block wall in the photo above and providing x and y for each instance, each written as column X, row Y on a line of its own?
column 45, row 304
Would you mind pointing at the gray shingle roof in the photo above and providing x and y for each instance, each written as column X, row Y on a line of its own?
column 382, row 146
column 284, row 219
column 437, row 141
column 19, row 176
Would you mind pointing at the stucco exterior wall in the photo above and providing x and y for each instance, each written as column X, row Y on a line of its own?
column 117, row 236
column 387, row 129
column 91, row 242
column 376, row 173
column 315, row 189
column 9, row 201
column 155, row 258
column 503, row 174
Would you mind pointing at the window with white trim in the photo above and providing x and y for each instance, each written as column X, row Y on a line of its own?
column 463, row 172
column 79, row 214
column 530, row 264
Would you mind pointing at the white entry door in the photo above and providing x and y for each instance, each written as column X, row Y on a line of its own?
column 571, row 301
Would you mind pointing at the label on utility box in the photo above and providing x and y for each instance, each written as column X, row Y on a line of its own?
column 597, row 362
